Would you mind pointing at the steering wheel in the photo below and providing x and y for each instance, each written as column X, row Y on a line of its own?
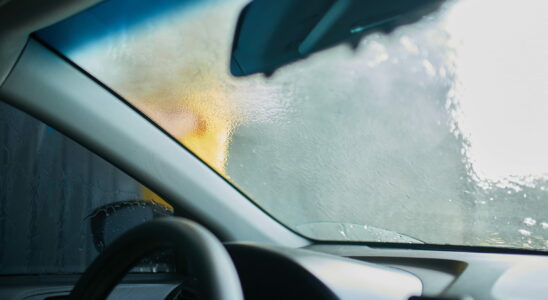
column 192, row 243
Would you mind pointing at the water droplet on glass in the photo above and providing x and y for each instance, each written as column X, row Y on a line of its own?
column 429, row 68
column 524, row 232
column 529, row 221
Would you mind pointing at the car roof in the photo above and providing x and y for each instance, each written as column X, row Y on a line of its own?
column 18, row 19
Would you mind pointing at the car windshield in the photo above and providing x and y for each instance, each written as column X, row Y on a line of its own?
column 435, row 133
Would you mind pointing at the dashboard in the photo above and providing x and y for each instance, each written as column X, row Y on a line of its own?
column 332, row 271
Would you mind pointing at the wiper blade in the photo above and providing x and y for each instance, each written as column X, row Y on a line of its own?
column 342, row 231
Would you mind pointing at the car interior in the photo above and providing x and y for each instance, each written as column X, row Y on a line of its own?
column 106, row 194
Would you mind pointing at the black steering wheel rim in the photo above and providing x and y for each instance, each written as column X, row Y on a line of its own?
column 192, row 243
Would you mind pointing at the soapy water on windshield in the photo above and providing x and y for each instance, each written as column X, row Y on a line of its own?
column 399, row 134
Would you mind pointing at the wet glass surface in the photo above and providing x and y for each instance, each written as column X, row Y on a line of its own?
column 434, row 133
column 52, row 191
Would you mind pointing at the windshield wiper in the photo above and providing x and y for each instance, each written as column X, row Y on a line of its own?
column 344, row 231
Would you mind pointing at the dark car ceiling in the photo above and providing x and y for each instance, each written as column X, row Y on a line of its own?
column 19, row 18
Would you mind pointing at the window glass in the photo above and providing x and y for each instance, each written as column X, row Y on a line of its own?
column 435, row 133
column 60, row 204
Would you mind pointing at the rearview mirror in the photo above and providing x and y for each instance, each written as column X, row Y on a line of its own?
column 273, row 33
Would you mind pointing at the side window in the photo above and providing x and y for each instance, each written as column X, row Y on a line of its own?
column 55, row 199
